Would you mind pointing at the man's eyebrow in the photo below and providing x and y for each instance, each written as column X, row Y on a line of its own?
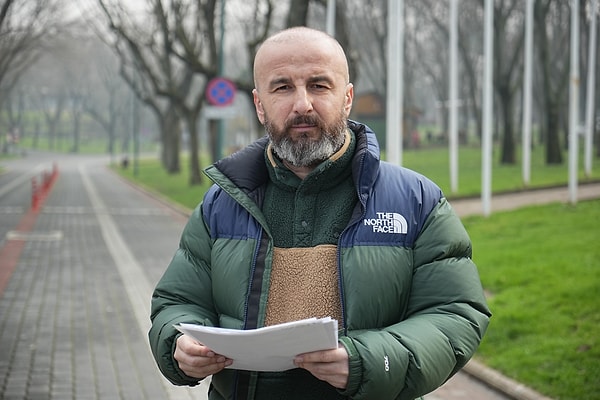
column 320, row 78
column 279, row 81
column 314, row 79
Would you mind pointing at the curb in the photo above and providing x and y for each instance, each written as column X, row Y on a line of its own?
column 496, row 380
column 177, row 208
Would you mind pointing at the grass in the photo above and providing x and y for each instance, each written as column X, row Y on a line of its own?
column 152, row 176
column 86, row 145
column 541, row 267
column 433, row 163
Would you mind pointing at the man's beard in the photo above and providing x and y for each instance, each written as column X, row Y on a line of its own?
column 304, row 151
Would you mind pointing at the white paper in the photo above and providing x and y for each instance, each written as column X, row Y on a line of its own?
column 271, row 348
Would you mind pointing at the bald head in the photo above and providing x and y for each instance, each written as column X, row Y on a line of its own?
column 298, row 44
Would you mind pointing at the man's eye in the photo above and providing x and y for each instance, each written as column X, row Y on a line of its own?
column 282, row 88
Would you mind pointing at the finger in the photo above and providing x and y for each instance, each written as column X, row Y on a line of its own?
column 199, row 366
column 203, row 371
column 324, row 356
column 190, row 346
column 197, row 360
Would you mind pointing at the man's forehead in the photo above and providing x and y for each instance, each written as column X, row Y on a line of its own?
column 292, row 62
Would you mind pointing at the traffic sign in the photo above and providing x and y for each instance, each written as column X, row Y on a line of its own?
column 220, row 92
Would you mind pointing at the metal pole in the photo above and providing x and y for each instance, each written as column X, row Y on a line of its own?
column 331, row 17
column 486, row 159
column 574, row 102
column 136, row 135
column 527, row 84
column 453, row 96
column 394, row 111
column 221, row 122
column 591, row 84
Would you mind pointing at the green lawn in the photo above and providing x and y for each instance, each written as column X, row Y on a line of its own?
column 431, row 162
column 153, row 177
column 541, row 268
column 434, row 163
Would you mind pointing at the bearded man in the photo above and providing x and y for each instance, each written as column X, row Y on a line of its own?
column 308, row 222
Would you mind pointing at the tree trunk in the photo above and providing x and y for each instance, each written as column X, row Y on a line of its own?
column 508, row 137
column 213, row 131
column 553, row 149
column 472, row 87
column 550, row 102
column 298, row 13
column 76, row 129
column 171, row 134
column 195, row 175
column 110, row 147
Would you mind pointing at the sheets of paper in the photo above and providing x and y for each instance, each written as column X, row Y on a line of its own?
column 271, row 348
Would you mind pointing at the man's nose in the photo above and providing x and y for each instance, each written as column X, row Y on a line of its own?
column 302, row 101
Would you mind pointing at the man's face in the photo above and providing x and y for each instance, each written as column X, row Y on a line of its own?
column 303, row 99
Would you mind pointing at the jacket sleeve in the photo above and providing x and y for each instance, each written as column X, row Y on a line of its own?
column 183, row 294
column 446, row 318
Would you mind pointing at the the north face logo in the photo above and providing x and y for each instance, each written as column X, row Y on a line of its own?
column 387, row 222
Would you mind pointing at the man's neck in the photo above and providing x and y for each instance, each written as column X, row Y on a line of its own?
column 300, row 172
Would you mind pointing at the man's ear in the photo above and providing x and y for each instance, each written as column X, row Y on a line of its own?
column 260, row 112
column 349, row 98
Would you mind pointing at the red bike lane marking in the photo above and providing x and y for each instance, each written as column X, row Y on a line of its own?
column 11, row 251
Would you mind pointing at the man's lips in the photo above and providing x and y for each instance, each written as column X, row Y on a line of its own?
column 303, row 126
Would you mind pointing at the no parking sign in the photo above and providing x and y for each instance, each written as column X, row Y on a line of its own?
column 220, row 92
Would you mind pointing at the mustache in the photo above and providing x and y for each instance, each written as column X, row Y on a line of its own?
column 303, row 120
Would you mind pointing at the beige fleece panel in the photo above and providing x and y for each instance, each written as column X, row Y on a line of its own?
column 304, row 284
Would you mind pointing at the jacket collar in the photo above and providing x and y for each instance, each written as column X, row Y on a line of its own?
column 247, row 169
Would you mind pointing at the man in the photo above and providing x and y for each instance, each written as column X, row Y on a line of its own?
column 307, row 222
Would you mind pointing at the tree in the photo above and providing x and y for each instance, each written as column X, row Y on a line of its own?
column 25, row 26
column 470, row 34
column 508, row 49
column 105, row 98
column 151, row 70
column 552, row 42
column 170, row 63
column 368, row 54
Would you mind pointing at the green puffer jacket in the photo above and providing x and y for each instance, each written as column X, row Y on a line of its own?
column 412, row 303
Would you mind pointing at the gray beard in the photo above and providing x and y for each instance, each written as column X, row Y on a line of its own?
column 306, row 152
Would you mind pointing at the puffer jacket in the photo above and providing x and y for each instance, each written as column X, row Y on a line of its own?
column 412, row 302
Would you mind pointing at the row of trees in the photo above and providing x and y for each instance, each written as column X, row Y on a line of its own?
column 167, row 51
column 55, row 71
column 551, row 59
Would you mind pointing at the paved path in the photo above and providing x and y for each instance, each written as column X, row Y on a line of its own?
column 75, row 284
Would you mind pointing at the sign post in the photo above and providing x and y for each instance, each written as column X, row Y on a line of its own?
column 220, row 93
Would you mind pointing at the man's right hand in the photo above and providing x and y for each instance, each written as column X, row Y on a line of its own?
column 197, row 360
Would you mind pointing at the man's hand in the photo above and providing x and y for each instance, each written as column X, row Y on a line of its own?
column 330, row 366
column 197, row 360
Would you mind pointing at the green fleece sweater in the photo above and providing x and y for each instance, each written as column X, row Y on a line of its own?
column 306, row 218
column 313, row 211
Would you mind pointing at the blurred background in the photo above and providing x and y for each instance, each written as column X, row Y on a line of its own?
column 131, row 76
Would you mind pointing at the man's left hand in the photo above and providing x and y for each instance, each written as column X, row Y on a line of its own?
column 330, row 366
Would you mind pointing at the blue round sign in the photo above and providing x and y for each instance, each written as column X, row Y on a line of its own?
column 220, row 92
